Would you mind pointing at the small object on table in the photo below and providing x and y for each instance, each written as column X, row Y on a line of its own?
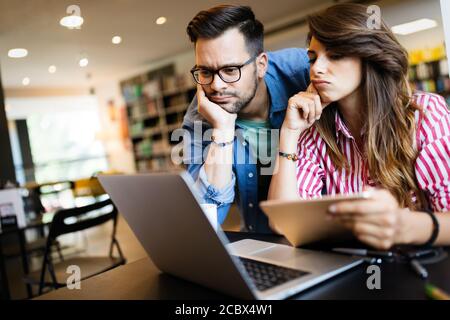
column 418, row 268
column 364, row 252
column 435, row 293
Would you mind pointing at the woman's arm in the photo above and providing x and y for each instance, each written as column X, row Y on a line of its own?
column 283, row 185
column 420, row 226
column 303, row 110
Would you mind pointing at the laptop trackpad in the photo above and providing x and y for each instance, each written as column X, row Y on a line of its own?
column 265, row 250
column 248, row 247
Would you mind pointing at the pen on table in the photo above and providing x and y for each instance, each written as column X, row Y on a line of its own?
column 372, row 260
column 436, row 293
column 364, row 252
column 418, row 268
column 421, row 253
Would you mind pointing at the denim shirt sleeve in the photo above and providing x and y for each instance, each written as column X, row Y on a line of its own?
column 287, row 74
column 223, row 197
column 194, row 149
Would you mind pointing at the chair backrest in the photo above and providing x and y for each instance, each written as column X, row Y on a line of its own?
column 56, row 195
column 80, row 218
column 77, row 219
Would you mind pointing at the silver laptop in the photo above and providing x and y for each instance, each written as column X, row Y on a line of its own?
column 163, row 211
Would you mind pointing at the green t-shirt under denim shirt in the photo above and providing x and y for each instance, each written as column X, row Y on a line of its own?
column 257, row 133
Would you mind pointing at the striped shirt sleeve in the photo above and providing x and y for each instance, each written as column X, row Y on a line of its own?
column 433, row 162
column 310, row 174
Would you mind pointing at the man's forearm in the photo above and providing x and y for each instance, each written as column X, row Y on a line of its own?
column 218, row 165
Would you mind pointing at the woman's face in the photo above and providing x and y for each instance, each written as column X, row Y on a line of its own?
column 334, row 76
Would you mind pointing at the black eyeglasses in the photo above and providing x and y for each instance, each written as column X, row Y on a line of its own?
column 228, row 74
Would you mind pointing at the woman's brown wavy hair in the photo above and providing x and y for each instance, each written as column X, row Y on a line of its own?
column 390, row 125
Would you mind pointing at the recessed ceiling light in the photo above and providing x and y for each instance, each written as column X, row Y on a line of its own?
column 161, row 20
column 414, row 26
column 17, row 53
column 72, row 22
column 83, row 62
column 116, row 39
column 26, row 81
column 52, row 69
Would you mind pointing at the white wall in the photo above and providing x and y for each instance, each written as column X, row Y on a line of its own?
column 407, row 11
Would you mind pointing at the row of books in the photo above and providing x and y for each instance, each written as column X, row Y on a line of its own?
column 429, row 70
column 154, row 88
column 439, row 85
column 143, row 109
column 148, row 147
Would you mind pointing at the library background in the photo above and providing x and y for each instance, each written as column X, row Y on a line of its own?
column 105, row 97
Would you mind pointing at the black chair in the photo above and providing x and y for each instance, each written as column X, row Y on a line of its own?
column 72, row 220
column 11, row 247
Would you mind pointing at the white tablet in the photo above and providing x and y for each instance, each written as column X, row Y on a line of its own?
column 304, row 221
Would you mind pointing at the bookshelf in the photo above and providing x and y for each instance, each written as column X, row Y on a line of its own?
column 431, row 76
column 429, row 71
column 156, row 102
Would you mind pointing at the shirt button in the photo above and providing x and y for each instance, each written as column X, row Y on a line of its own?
column 250, row 175
column 250, row 205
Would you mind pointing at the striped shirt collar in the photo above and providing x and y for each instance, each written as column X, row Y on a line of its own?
column 342, row 127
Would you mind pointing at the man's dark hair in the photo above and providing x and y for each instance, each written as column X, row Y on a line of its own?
column 212, row 23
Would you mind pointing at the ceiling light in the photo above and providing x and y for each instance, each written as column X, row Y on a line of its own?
column 52, row 69
column 17, row 53
column 84, row 62
column 72, row 22
column 26, row 81
column 161, row 20
column 116, row 39
column 414, row 26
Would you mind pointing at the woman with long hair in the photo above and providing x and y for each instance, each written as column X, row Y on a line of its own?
column 359, row 127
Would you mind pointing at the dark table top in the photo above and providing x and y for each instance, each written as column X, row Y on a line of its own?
column 142, row 280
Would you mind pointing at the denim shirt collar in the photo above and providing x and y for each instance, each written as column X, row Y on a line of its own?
column 277, row 94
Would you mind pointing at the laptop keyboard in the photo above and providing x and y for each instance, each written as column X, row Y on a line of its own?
column 266, row 275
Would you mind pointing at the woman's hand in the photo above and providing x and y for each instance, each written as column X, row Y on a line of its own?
column 378, row 221
column 303, row 110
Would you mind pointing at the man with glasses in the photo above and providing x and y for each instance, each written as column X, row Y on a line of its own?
column 242, row 94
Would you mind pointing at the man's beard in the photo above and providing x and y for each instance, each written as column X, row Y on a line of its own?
column 243, row 102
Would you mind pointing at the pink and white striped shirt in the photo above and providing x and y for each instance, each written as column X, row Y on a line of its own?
column 432, row 166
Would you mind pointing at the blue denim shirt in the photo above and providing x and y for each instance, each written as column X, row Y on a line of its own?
column 287, row 74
